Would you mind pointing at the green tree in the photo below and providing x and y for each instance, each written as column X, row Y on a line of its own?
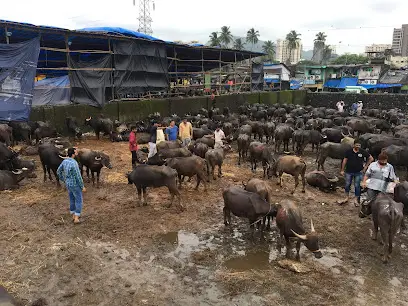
column 239, row 44
column 226, row 37
column 348, row 58
column 215, row 40
column 269, row 48
column 252, row 37
column 293, row 39
column 320, row 37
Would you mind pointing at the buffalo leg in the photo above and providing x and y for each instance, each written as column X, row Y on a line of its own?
column 139, row 195
column 226, row 216
column 312, row 147
column 45, row 172
column 298, row 250
column 56, row 177
column 288, row 247
column 387, row 248
column 87, row 175
column 49, row 173
column 212, row 172
column 98, row 174
column 93, row 178
column 144, row 196
column 375, row 228
column 303, row 182
column 239, row 157
column 280, row 183
column 296, row 183
column 219, row 170
column 180, row 180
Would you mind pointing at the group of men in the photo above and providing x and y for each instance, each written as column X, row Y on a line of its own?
column 356, row 107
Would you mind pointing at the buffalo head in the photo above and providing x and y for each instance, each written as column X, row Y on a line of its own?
column 104, row 160
column 311, row 241
column 365, row 209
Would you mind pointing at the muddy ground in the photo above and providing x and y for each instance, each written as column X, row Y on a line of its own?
column 153, row 255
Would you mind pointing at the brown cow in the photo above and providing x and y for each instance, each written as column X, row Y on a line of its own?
column 291, row 165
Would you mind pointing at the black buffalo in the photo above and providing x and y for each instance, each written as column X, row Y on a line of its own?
column 93, row 161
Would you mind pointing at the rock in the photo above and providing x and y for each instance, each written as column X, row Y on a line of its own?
column 69, row 294
column 128, row 284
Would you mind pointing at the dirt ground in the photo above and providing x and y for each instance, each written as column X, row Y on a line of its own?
column 153, row 255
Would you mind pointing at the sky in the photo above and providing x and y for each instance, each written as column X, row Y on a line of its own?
column 349, row 24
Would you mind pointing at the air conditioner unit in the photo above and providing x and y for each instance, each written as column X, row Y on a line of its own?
column 333, row 76
column 317, row 77
column 312, row 77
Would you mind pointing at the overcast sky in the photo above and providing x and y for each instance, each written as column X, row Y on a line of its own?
column 349, row 24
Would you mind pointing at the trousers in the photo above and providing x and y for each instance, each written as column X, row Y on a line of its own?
column 75, row 201
column 152, row 149
column 357, row 180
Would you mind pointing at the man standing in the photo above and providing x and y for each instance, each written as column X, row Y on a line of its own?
column 218, row 137
column 133, row 145
column 354, row 107
column 172, row 131
column 185, row 132
column 359, row 108
column 153, row 139
column 355, row 163
column 340, row 106
column 68, row 172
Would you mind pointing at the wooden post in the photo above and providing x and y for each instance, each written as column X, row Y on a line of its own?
column 112, row 72
column 175, row 64
column 235, row 71
column 202, row 69
column 67, row 54
column 7, row 38
column 219, row 81
column 250, row 73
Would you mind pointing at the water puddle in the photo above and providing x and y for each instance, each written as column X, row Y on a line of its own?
column 252, row 259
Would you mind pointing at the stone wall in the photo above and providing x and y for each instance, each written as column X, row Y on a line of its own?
column 381, row 101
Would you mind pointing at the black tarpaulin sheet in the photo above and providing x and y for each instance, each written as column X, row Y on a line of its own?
column 18, row 64
column 140, row 66
column 52, row 91
column 257, row 76
column 89, row 86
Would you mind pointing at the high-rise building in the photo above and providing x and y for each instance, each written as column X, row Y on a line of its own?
column 376, row 50
column 400, row 40
column 282, row 52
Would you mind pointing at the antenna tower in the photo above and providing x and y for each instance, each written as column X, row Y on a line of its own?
column 145, row 21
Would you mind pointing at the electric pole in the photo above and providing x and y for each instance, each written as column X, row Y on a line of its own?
column 145, row 21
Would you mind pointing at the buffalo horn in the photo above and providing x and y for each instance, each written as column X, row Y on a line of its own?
column 63, row 157
column 17, row 172
column 333, row 180
column 302, row 237
column 88, row 119
column 98, row 158
column 311, row 226
column 342, row 134
column 24, row 169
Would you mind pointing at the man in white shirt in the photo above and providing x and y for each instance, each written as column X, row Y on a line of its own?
column 340, row 106
column 218, row 137
column 359, row 107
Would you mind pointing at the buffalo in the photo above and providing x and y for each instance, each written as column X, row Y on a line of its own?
column 6, row 134
column 10, row 179
column 333, row 150
column 99, row 125
column 321, row 180
column 189, row 166
column 93, row 161
column 51, row 159
column 283, row 134
column 261, row 152
column 215, row 157
column 243, row 142
column 292, row 165
column 73, row 128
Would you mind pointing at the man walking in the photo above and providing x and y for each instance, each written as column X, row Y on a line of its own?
column 185, row 132
column 133, row 145
column 355, row 163
column 68, row 172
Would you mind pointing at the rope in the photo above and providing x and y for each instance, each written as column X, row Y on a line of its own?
column 270, row 208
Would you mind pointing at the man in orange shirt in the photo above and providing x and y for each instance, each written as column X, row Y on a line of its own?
column 185, row 132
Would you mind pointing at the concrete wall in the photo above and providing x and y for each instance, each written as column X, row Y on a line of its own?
column 135, row 110
column 381, row 101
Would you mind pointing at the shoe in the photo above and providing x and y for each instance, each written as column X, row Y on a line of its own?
column 357, row 201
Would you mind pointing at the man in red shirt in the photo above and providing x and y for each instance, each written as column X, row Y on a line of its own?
column 133, row 145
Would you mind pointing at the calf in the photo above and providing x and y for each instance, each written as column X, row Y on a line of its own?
column 243, row 142
column 291, row 165
column 290, row 224
column 264, row 190
column 93, row 161
column 388, row 215
column 300, row 138
column 43, row 132
column 144, row 176
column 261, row 152
column 283, row 134
column 215, row 157
column 246, row 204
column 189, row 166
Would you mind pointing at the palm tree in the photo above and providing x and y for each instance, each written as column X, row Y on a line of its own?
column 269, row 48
column 226, row 37
column 252, row 37
column 318, row 47
column 214, row 40
column 320, row 37
column 238, row 44
column 293, row 42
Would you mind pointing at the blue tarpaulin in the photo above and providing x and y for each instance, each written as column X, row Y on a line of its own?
column 294, row 84
column 119, row 31
column 52, row 91
column 270, row 80
column 347, row 82
column 332, row 84
column 18, row 63
column 380, row 86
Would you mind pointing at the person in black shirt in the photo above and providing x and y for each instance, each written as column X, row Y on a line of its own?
column 355, row 163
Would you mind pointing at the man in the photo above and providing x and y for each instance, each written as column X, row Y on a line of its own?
column 152, row 140
column 133, row 145
column 340, row 106
column 172, row 131
column 68, row 172
column 185, row 132
column 354, row 107
column 218, row 137
column 380, row 174
column 359, row 108
column 356, row 161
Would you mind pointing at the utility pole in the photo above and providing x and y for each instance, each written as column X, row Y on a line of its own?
column 145, row 21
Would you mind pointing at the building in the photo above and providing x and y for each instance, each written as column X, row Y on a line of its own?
column 277, row 76
column 282, row 52
column 376, row 50
column 396, row 61
column 400, row 40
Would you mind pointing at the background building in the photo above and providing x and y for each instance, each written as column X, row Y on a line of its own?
column 282, row 52
column 400, row 40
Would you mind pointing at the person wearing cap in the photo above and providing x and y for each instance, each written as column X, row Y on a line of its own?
column 355, row 163
column 185, row 132
column 359, row 108
column 69, row 173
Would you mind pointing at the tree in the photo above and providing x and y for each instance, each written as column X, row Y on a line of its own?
column 318, row 47
column 226, row 37
column 293, row 42
column 327, row 52
column 320, row 37
column 269, row 48
column 252, row 37
column 348, row 58
column 238, row 44
column 214, row 40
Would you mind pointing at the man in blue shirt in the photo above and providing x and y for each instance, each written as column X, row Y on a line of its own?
column 172, row 131
column 69, row 173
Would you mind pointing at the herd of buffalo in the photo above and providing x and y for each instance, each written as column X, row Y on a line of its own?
column 273, row 135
